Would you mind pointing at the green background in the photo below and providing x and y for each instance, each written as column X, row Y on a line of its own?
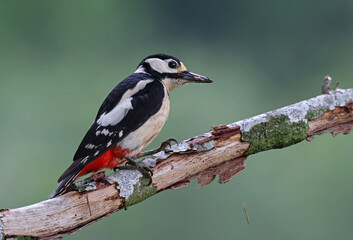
column 59, row 59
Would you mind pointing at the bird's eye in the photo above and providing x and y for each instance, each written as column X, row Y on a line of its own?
column 172, row 64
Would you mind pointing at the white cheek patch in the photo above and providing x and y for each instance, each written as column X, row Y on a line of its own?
column 161, row 66
column 140, row 70
column 117, row 114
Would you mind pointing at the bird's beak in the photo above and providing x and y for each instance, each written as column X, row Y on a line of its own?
column 193, row 77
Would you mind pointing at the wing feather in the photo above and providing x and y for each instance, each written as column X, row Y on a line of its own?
column 116, row 119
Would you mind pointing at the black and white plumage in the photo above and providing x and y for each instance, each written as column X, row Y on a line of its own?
column 130, row 117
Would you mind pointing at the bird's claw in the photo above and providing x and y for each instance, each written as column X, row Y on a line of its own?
column 163, row 147
column 167, row 143
column 139, row 165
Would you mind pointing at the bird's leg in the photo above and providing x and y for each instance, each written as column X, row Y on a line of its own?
column 140, row 166
column 131, row 164
column 164, row 145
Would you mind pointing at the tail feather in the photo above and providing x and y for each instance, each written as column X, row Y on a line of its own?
column 74, row 168
column 62, row 186
column 67, row 178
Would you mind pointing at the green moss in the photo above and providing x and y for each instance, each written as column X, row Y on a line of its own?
column 141, row 192
column 85, row 188
column 278, row 132
column 84, row 185
column 25, row 238
column 312, row 114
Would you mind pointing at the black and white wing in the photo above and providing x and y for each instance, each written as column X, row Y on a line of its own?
column 131, row 103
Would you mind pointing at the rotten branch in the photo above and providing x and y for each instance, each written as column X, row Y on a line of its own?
column 222, row 152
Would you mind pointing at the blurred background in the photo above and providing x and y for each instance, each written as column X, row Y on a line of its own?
column 59, row 60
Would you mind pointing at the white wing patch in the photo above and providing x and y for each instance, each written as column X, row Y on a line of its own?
column 139, row 86
column 118, row 113
column 121, row 133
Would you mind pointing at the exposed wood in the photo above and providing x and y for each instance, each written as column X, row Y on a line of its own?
column 182, row 166
column 219, row 152
column 65, row 214
column 339, row 118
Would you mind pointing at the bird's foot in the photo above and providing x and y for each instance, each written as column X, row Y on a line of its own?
column 163, row 147
column 165, row 144
column 131, row 164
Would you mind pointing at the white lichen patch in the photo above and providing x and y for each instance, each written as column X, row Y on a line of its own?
column 1, row 228
column 206, row 146
column 186, row 146
column 343, row 96
column 86, row 185
column 126, row 180
column 150, row 162
column 298, row 112
column 181, row 147
column 90, row 187
column 162, row 155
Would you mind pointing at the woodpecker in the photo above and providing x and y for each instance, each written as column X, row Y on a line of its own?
column 130, row 117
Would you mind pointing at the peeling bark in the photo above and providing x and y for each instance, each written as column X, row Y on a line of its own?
column 222, row 152
column 226, row 172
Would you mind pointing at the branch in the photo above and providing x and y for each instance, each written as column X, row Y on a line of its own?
column 219, row 152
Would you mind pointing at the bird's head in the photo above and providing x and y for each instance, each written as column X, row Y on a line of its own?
column 170, row 70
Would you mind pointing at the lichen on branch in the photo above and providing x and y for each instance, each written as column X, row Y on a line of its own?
column 277, row 132
column 222, row 152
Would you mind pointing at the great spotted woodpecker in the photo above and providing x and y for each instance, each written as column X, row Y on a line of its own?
column 129, row 119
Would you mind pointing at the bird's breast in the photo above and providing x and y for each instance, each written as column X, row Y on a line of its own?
column 137, row 140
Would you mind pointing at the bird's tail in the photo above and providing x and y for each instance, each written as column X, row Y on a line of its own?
column 67, row 178
column 63, row 185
